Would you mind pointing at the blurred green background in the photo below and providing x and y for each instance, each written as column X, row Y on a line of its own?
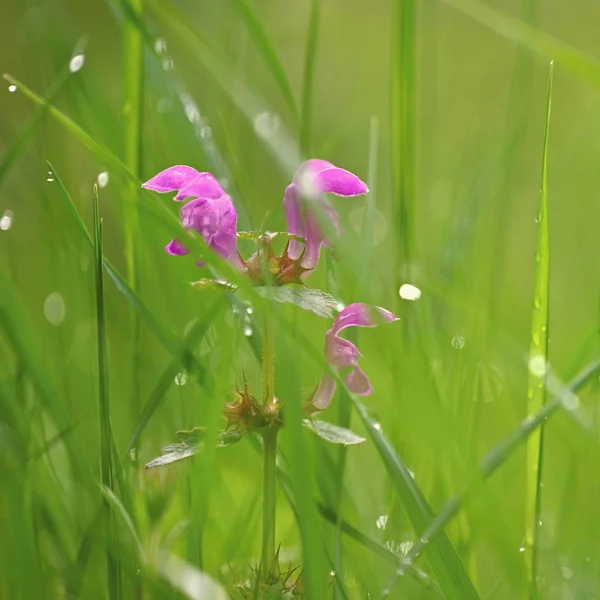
column 450, row 380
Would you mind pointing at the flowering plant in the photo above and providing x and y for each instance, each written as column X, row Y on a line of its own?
column 312, row 224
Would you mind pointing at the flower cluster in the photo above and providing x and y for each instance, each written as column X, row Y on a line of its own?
column 210, row 212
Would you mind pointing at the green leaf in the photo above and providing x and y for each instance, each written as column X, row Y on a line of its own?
column 333, row 433
column 316, row 301
column 255, row 236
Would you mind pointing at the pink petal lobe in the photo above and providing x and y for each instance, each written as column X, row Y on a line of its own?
column 362, row 315
column 175, row 248
column 170, row 179
column 324, row 393
column 358, row 382
column 340, row 182
column 339, row 352
column 204, row 185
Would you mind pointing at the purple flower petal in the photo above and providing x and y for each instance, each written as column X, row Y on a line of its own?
column 361, row 315
column 171, row 179
column 324, row 393
column 216, row 221
column 358, row 382
column 204, row 185
column 340, row 352
column 175, row 248
column 319, row 176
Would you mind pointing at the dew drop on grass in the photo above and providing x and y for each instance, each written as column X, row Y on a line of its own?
column 378, row 427
column 76, row 63
column 266, row 124
column 168, row 64
column 6, row 220
column 103, row 179
column 249, row 310
column 381, row 522
column 570, row 401
column 537, row 365
column 160, row 46
column 133, row 454
column 54, row 309
column 406, row 547
column 12, row 88
column 248, row 330
column 410, row 292
column 522, row 549
column 180, row 379
column 332, row 573
column 567, row 573
column 458, row 342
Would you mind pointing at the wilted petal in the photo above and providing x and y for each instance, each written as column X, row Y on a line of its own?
column 171, row 179
column 362, row 315
column 324, row 393
column 358, row 382
column 216, row 221
column 340, row 352
column 176, row 249
column 204, row 185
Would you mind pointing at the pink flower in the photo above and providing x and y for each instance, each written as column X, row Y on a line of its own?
column 210, row 212
column 343, row 355
column 314, row 178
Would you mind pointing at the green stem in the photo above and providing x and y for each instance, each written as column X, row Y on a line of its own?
column 269, row 499
column 269, row 447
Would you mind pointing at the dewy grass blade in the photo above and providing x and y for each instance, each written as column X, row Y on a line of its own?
column 445, row 562
column 403, row 121
column 310, row 59
column 20, row 142
column 583, row 67
column 538, row 364
column 499, row 454
column 106, row 458
column 265, row 47
column 97, row 148
column 133, row 110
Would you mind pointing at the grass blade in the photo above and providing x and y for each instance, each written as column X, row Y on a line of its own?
column 538, row 359
column 106, row 458
column 403, row 125
column 499, row 454
column 582, row 66
column 265, row 47
column 310, row 59
column 445, row 563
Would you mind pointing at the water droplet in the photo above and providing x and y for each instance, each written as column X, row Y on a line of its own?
column 205, row 132
column 522, row 549
column 406, row 547
column 570, row 401
column 133, row 454
column 458, row 342
column 180, row 379
column 408, row 291
column 378, row 427
column 76, row 63
column 248, row 330
column 160, row 46
column 164, row 105
column 566, row 572
column 424, row 540
column 381, row 521
column 392, row 546
column 50, row 176
column 332, row 573
column 103, row 179
column 539, row 523
column 266, row 124
column 6, row 220
column 54, row 309
column 537, row 365
column 168, row 64
column 12, row 88
column 249, row 310
column 411, row 473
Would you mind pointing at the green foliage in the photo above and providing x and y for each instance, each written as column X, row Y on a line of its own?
column 421, row 100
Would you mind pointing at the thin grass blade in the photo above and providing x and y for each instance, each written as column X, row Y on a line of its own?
column 538, row 361
column 310, row 60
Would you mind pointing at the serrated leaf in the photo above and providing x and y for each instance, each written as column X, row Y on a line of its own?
column 255, row 236
column 174, row 452
column 333, row 433
column 316, row 301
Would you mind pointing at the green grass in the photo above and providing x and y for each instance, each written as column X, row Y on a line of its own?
column 106, row 350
